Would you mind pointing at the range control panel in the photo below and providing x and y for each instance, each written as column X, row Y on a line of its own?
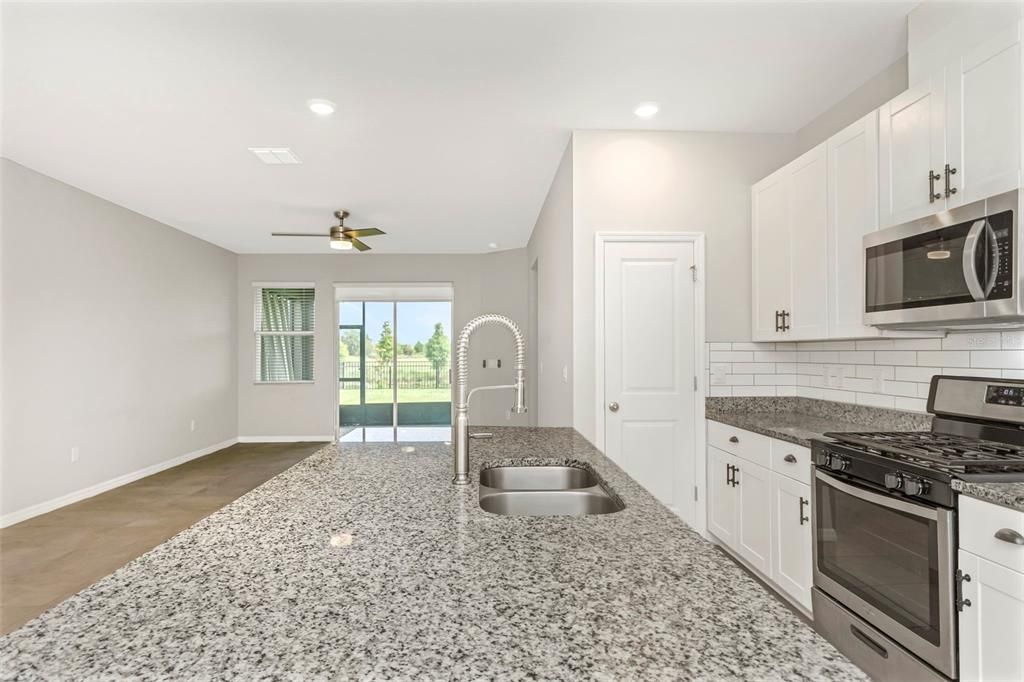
column 1012, row 396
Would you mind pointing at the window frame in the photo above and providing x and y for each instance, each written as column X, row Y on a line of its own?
column 259, row 334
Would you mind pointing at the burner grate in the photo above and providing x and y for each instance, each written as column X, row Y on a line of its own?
column 948, row 451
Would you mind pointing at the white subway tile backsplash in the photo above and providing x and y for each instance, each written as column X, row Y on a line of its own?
column 924, row 374
column 896, row 357
column 944, row 358
column 893, row 373
column 1005, row 359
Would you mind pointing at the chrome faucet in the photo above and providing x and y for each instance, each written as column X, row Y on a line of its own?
column 462, row 397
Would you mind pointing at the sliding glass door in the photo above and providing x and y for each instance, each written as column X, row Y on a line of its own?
column 394, row 362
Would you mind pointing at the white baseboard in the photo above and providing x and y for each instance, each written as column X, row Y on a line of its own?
column 79, row 495
column 286, row 439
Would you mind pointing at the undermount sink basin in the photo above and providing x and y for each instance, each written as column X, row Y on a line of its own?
column 544, row 491
column 537, row 478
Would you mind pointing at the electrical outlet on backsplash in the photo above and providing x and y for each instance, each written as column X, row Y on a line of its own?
column 893, row 373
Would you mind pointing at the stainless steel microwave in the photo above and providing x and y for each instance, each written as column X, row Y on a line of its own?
column 958, row 268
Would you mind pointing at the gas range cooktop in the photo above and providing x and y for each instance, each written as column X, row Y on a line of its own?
column 949, row 453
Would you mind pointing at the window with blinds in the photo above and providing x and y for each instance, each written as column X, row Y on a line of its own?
column 284, row 321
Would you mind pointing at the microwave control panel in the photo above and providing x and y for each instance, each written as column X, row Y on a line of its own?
column 1002, row 226
column 1012, row 396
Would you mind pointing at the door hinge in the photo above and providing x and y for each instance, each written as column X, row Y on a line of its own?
column 693, row 271
column 695, row 382
column 695, row 498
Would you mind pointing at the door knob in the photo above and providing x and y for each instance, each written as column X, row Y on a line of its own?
column 614, row 407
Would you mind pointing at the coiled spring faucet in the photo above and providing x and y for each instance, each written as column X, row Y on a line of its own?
column 463, row 395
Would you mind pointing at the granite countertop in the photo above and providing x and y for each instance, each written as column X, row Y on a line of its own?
column 1007, row 494
column 431, row 586
column 799, row 420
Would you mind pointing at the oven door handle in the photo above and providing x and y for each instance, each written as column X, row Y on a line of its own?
column 974, row 284
column 881, row 500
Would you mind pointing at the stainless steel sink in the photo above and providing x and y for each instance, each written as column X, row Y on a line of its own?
column 537, row 478
column 544, row 491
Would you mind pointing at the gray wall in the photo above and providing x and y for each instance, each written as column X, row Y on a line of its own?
column 666, row 182
column 117, row 332
column 550, row 249
column 869, row 96
column 486, row 283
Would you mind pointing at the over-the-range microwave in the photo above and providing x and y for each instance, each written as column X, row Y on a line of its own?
column 957, row 269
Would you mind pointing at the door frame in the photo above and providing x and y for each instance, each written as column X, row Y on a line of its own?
column 699, row 521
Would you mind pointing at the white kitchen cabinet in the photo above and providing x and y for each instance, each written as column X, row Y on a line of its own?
column 770, row 246
column 788, row 239
column 721, row 496
column 955, row 137
column 852, row 213
column 992, row 625
column 983, row 120
column 808, row 208
column 791, row 540
column 911, row 152
column 754, row 523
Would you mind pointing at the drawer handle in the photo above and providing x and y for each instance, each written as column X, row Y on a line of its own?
column 1010, row 535
column 871, row 644
column 789, row 458
column 734, row 439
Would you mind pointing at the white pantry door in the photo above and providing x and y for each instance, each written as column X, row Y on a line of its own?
column 649, row 394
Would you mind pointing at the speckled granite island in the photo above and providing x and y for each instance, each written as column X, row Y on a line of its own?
column 430, row 587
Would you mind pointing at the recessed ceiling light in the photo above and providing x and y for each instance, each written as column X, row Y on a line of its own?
column 646, row 109
column 321, row 107
column 275, row 156
column 493, row 245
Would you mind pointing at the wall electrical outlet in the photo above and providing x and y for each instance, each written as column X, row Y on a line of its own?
column 718, row 375
column 74, row 454
column 834, row 376
column 983, row 341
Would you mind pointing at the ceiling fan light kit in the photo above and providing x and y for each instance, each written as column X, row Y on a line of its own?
column 341, row 238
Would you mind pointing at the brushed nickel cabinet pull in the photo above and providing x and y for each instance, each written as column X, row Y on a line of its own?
column 1010, row 535
column 949, row 172
column 734, row 439
column 933, row 196
column 791, row 458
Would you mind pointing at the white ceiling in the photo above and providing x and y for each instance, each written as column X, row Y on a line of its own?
column 451, row 117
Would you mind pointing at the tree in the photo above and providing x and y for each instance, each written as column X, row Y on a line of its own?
column 418, row 348
column 437, row 350
column 405, row 349
column 386, row 344
column 350, row 340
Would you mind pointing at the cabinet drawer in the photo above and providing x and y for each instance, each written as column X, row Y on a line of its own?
column 979, row 523
column 791, row 460
column 752, row 447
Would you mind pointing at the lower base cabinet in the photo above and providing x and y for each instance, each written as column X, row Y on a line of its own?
column 792, row 540
column 761, row 515
column 992, row 625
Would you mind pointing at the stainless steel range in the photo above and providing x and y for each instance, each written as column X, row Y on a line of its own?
column 885, row 580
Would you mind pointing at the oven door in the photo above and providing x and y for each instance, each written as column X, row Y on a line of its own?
column 890, row 561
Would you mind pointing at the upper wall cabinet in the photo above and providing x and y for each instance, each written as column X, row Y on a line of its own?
column 789, row 249
column 954, row 137
column 852, row 213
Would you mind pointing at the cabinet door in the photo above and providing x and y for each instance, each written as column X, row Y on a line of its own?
column 983, row 119
column 791, row 539
column 754, row 518
column 992, row 627
column 852, row 213
column 911, row 144
column 721, row 497
column 770, row 253
column 808, row 214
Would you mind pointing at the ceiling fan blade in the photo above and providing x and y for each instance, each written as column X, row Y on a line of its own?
column 362, row 232
column 359, row 245
column 299, row 234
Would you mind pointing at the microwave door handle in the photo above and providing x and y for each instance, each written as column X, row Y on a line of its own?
column 993, row 258
column 974, row 285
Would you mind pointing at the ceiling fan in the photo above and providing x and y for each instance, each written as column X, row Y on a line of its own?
column 342, row 238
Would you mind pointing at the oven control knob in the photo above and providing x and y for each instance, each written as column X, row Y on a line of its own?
column 893, row 480
column 838, row 463
column 915, row 486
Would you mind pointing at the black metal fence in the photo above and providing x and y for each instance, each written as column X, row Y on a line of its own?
column 412, row 373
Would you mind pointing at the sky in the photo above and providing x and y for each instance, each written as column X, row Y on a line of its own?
column 416, row 320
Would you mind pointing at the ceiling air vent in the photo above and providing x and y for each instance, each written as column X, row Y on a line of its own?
column 275, row 156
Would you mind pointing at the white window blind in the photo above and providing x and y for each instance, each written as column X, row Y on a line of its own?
column 284, row 323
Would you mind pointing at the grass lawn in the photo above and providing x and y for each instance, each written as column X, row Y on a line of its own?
column 350, row 396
